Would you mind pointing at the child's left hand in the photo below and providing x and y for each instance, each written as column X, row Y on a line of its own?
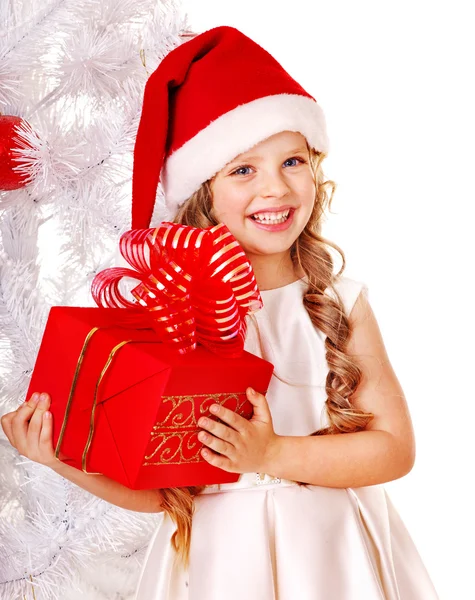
column 246, row 445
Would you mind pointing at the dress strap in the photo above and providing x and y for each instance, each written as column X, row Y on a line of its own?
column 349, row 289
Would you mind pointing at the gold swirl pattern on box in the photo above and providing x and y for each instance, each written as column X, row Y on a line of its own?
column 174, row 437
column 173, row 446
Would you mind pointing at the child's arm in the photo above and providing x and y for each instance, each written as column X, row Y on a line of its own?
column 112, row 491
column 383, row 452
column 345, row 460
column 30, row 431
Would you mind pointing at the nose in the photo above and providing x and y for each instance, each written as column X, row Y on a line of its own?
column 273, row 185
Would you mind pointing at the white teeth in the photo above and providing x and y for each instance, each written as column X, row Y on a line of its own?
column 272, row 217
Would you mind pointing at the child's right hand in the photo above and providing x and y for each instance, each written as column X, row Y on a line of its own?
column 31, row 433
column 29, row 429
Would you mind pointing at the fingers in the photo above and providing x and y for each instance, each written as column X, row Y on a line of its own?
column 216, row 444
column 22, row 413
column 26, row 423
column 230, row 417
column 20, row 420
column 218, row 429
column 223, row 440
column 36, row 424
column 45, row 444
column 30, row 430
column 20, row 423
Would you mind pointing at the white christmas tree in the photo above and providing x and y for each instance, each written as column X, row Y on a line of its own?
column 75, row 72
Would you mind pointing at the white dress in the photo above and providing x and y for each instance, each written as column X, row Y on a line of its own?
column 275, row 540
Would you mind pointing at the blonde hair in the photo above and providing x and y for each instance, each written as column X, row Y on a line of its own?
column 309, row 254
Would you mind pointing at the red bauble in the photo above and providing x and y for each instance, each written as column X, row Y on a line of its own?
column 10, row 179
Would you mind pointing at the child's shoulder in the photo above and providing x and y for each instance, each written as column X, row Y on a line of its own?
column 348, row 289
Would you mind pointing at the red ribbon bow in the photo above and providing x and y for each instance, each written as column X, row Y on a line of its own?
column 196, row 284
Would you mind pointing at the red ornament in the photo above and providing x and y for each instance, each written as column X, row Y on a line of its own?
column 10, row 151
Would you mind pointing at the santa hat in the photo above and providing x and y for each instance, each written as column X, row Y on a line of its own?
column 209, row 100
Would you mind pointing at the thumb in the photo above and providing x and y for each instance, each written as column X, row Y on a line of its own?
column 259, row 402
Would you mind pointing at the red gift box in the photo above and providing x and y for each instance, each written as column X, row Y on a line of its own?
column 129, row 380
column 126, row 405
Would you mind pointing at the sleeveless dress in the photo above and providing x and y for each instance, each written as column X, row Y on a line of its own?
column 264, row 538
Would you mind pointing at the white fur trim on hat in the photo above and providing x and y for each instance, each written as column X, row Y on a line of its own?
column 236, row 132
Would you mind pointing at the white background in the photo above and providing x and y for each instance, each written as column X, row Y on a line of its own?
column 395, row 80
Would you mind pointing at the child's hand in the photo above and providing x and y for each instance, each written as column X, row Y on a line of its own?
column 245, row 446
column 30, row 431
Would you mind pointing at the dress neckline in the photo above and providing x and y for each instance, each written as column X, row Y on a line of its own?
column 284, row 287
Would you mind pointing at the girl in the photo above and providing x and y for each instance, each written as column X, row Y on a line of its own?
column 236, row 140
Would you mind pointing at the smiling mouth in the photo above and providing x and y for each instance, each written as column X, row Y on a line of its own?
column 272, row 218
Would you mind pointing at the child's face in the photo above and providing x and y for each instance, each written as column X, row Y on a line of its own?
column 272, row 178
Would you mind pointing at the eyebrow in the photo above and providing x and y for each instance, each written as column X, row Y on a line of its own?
column 246, row 158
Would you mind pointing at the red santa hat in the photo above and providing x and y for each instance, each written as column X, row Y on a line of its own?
column 209, row 100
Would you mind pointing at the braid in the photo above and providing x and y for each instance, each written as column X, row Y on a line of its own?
column 309, row 254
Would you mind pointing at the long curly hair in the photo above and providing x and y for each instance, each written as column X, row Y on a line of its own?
column 310, row 254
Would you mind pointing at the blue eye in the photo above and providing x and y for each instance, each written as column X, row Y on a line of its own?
column 297, row 159
column 245, row 169
column 237, row 171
